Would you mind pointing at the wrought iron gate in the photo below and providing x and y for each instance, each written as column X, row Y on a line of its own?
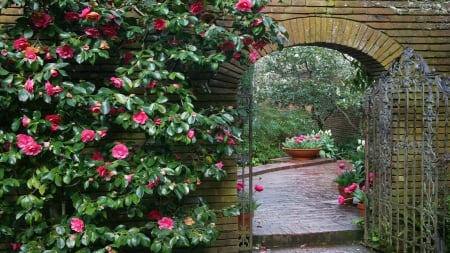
column 407, row 159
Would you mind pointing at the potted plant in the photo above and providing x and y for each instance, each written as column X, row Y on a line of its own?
column 359, row 196
column 246, row 205
column 349, row 179
column 308, row 146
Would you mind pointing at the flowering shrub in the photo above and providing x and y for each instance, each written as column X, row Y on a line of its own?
column 97, row 103
column 247, row 205
column 321, row 139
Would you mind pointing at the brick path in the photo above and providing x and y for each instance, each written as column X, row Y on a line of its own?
column 299, row 209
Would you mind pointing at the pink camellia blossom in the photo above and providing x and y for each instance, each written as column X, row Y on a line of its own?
column 256, row 22
column 239, row 186
column 159, row 24
column 259, row 188
column 102, row 171
column 85, row 47
column 55, row 120
column 77, row 225
column 231, row 141
column 54, row 72
column 120, row 151
column 32, row 149
column 140, row 117
column 116, row 82
column 244, row 5
column 4, row 52
column 52, row 90
column 31, row 53
column 196, row 8
column 65, row 52
column 92, row 32
column 176, row 86
column 254, row 56
column 190, row 134
column 152, row 184
column 97, row 156
column 102, row 132
column 220, row 138
column 71, row 16
column 219, row 165
column 85, row 12
column 15, row 246
column 93, row 16
column 341, row 200
column 87, row 135
column 165, row 223
column 25, row 121
column 110, row 30
column 129, row 178
column 154, row 215
column 23, row 140
column 157, row 121
column 21, row 44
column 41, row 20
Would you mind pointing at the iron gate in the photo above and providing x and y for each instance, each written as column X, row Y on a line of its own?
column 407, row 159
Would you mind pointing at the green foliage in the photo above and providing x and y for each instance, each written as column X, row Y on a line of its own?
column 86, row 156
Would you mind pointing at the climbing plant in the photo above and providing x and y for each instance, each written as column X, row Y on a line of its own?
column 101, row 141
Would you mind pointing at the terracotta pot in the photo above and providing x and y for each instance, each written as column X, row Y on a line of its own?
column 302, row 154
column 347, row 196
column 244, row 221
column 362, row 209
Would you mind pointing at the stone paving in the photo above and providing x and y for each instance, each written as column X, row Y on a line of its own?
column 299, row 209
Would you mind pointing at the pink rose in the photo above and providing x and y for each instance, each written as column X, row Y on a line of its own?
column 165, row 223
column 116, row 82
column 159, row 24
column 25, row 121
column 219, row 165
column 21, row 44
column 32, row 149
column 92, row 32
column 120, row 151
column 87, row 135
column 140, row 117
column 190, row 134
column 259, row 188
column 65, row 52
column 23, row 140
column 77, row 225
column 97, row 156
column 244, row 5
column 196, row 8
column 253, row 57
column 71, row 16
column 41, row 20
column 154, row 215
column 29, row 85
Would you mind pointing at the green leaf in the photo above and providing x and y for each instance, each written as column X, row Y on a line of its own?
column 156, row 246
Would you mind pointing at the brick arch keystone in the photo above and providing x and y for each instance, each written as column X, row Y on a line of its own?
column 373, row 48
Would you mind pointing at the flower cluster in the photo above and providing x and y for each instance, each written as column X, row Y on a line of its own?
column 80, row 145
column 247, row 205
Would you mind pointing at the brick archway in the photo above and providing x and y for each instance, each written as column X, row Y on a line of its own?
column 372, row 48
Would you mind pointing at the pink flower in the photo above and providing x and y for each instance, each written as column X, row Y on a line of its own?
column 157, row 121
column 254, row 56
column 21, row 44
column 231, row 141
column 97, row 156
column 120, row 151
column 102, row 133
column 128, row 177
column 341, row 165
column 77, row 225
column 152, row 184
column 191, row 134
column 244, row 5
column 351, row 188
column 239, row 186
column 116, row 82
column 219, row 165
column 65, row 52
column 219, row 138
column 259, row 188
column 154, row 215
column 159, row 24
column 15, row 246
column 30, row 53
column 25, row 121
column 256, row 22
column 71, row 16
column 23, row 140
column 93, row 16
column 92, row 32
column 41, row 20
column 102, row 171
column 140, row 117
column 85, row 47
column 87, row 135
column 55, row 120
column 29, row 85
column 32, row 149
column 85, row 12
column 196, row 8
column 110, row 30
column 165, row 223
column 54, row 72
column 341, row 200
